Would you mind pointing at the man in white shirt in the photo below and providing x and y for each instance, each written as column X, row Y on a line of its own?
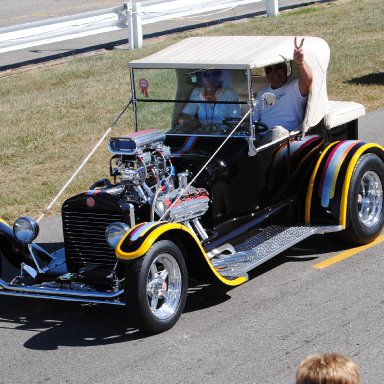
column 287, row 112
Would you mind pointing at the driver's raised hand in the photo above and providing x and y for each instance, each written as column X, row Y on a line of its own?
column 298, row 53
column 305, row 73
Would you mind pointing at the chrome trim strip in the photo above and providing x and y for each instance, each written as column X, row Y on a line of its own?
column 132, row 215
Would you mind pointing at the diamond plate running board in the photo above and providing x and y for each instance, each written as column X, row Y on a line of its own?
column 260, row 248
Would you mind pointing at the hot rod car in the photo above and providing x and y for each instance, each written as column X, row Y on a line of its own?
column 205, row 200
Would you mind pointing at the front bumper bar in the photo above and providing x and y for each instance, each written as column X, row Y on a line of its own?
column 112, row 298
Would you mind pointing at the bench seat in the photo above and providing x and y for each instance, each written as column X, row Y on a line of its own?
column 342, row 112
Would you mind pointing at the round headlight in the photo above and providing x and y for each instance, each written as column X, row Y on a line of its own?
column 25, row 229
column 115, row 232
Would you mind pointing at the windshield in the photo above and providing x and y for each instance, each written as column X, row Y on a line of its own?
column 190, row 101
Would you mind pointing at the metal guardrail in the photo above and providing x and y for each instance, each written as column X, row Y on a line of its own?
column 131, row 16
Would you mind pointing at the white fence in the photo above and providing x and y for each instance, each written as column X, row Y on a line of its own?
column 132, row 15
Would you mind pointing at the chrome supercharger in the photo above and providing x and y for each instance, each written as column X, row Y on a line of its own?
column 141, row 163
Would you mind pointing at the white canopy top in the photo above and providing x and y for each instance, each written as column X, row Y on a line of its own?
column 247, row 52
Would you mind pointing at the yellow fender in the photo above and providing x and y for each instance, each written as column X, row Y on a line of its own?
column 332, row 173
column 140, row 239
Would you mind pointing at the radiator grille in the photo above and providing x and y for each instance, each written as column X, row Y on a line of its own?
column 84, row 237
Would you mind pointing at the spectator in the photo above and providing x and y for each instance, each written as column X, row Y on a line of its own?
column 206, row 109
column 328, row 368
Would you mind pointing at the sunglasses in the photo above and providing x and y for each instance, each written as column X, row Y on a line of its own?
column 276, row 67
column 211, row 74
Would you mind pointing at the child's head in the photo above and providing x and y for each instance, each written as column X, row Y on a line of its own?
column 327, row 368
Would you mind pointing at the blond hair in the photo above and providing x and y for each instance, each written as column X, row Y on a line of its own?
column 328, row 368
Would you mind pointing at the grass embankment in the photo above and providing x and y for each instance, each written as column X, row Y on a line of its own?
column 52, row 115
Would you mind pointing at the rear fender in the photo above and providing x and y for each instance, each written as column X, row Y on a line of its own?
column 328, row 188
column 140, row 239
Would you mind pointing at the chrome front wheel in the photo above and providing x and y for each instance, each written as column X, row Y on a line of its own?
column 156, row 287
column 164, row 286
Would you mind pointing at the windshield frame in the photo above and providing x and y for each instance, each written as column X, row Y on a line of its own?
column 246, row 102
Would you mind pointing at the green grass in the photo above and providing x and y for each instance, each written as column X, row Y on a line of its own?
column 53, row 114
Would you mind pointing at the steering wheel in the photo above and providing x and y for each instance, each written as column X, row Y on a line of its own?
column 231, row 121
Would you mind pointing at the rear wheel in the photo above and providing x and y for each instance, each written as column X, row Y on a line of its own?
column 156, row 287
column 365, row 215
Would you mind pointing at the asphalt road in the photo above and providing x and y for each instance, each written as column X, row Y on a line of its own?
column 254, row 333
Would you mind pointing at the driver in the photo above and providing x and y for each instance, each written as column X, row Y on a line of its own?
column 206, row 108
column 287, row 112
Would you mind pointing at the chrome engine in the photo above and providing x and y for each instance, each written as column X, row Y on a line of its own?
column 143, row 172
